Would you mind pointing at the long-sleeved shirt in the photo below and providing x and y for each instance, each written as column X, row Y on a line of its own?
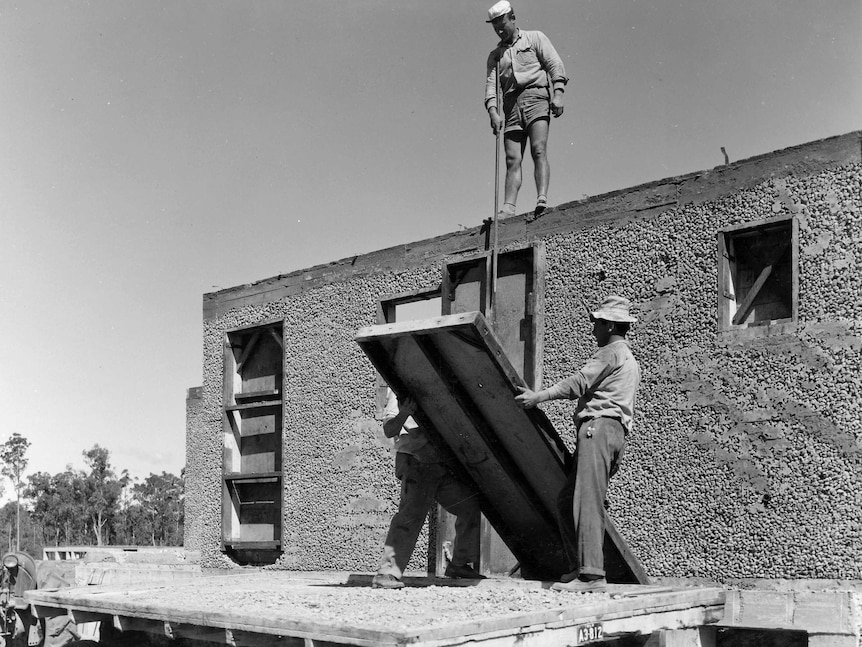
column 528, row 62
column 605, row 386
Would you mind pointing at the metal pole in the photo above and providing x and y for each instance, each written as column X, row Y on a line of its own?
column 497, row 141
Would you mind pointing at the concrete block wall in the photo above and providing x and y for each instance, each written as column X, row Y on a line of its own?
column 745, row 457
column 197, row 477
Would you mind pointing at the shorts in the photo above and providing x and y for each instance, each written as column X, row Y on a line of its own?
column 524, row 107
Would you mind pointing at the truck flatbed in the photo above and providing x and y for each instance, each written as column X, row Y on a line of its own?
column 324, row 609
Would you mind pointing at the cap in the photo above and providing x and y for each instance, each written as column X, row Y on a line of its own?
column 614, row 308
column 500, row 9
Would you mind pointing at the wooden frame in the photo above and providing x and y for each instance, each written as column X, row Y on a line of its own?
column 536, row 307
column 733, row 311
column 386, row 306
column 252, row 456
column 518, row 299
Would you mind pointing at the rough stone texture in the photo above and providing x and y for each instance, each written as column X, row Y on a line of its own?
column 745, row 457
column 195, row 492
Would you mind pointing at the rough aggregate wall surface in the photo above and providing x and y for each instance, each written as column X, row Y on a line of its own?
column 745, row 457
column 196, row 430
column 205, row 458
column 340, row 490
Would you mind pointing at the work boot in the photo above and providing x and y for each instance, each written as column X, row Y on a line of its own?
column 581, row 585
column 386, row 581
column 569, row 577
column 463, row 572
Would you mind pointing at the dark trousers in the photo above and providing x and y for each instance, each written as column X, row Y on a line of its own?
column 581, row 504
column 423, row 484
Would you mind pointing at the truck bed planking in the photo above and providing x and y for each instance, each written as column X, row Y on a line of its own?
column 323, row 609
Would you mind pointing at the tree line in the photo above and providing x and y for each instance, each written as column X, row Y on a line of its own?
column 89, row 507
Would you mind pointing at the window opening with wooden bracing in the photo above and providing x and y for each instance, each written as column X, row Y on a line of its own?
column 252, row 490
column 514, row 305
column 407, row 306
column 758, row 282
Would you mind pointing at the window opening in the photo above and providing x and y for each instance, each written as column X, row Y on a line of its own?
column 518, row 323
column 758, row 281
column 251, row 505
column 422, row 309
column 408, row 306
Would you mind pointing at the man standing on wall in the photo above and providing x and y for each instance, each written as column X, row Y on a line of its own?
column 425, row 479
column 532, row 80
column 605, row 389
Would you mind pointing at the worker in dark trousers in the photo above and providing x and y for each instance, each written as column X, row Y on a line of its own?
column 605, row 389
column 425, row 479
column 531, row 78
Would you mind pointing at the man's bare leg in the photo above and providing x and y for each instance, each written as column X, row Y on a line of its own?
column 538, row 134
column 514, row 144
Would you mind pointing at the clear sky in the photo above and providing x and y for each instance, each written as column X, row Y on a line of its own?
column 152, row 151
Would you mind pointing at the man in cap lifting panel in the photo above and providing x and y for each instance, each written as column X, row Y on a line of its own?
column 532, row 80
column 605, row 389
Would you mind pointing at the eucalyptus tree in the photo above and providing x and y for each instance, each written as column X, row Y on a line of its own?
column 12, row 455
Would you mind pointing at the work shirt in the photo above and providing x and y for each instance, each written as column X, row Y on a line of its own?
column 411, row 439
column 527, row 63
column 605, row 386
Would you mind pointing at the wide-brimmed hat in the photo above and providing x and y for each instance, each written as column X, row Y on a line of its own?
column 500, row 9
column 614, row 308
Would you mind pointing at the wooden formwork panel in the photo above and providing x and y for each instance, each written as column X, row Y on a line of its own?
column 456, row 370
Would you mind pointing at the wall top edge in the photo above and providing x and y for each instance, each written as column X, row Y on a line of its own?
column 620, row 204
